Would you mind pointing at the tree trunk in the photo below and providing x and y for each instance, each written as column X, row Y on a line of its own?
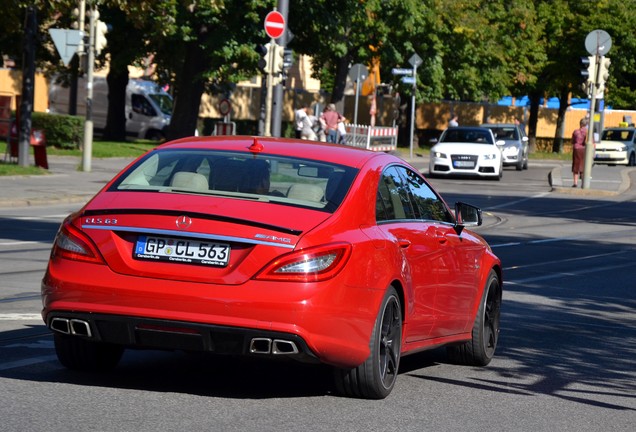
column 342, row 69
column 535, row 99
column 557, row 144
column 187, row 95
column 117, row 80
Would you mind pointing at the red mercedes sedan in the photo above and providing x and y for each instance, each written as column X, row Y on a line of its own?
column 274, row 248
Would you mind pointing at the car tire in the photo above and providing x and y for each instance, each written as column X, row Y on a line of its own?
column 155, row 135
column 77, row 353
column 632, row 160
column 375, row 378
column 480, row 350
column 519, row 165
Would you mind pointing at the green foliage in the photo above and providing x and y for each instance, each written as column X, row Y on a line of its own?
column 63, row 131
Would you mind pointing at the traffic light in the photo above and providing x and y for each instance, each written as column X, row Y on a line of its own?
column 101, row 28
column 603, row 75
column 288, row 59
column 588, row 72
column 264, row 62
column 278, row 60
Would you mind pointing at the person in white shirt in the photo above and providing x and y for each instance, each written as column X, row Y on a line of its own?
column 304, row 124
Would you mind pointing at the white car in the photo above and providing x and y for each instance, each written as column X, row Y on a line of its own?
column 467, row 151
column 616, row 147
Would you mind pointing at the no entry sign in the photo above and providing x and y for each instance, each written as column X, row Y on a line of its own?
column 274, row 24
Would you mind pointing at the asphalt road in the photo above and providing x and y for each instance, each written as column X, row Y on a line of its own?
column 566, row 358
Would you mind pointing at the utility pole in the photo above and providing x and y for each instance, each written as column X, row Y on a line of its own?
column 87, row 151
column 28, row 86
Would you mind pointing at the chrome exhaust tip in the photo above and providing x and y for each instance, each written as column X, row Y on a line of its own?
column 280, row 346
column 73, row 326
column 261, row 346
column 61, row 325
column 80, row 328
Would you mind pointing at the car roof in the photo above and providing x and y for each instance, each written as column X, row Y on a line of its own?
column 313, row 150
column 469, row 128
column 498, row 125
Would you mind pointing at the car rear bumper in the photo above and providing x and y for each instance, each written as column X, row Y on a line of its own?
column 139, row 332
column 139, row 312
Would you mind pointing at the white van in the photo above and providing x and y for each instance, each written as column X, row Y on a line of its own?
column 148, row 106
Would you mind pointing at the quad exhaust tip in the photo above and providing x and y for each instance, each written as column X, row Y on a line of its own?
column 275, row 346
column 72, row 326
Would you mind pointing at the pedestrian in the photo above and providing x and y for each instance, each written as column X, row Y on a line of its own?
column 579, row 138
column 304, row 124
column 342, row 132
column 454, row 121
column 329, row 120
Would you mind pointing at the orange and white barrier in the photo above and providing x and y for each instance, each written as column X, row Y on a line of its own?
column 376, row 138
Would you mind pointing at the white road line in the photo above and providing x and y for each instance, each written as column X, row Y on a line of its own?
column 20, row 317
column 21, row 243
column 568, row 274
column 27, row 362
column 512, row 203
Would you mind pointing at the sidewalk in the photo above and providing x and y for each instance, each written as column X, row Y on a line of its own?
column 605, row 180
column 66, row 183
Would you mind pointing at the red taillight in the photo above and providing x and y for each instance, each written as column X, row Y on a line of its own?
column 309, row 265
column 72, row 244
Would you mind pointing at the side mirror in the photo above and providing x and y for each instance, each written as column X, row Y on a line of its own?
column 500, row 143
column 466, row 215
column 524, row 139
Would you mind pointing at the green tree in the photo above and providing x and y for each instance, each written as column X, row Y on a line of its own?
column 211, row 47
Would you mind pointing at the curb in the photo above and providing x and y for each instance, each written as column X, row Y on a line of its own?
column 555, row 180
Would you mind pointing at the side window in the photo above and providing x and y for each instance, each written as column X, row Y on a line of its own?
column 427, row 204
column 141, row 105
column 393, row 200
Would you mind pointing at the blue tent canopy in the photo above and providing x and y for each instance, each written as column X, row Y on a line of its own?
column 552, row 103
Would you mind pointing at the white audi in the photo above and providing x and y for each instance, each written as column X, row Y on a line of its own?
column 467, row 151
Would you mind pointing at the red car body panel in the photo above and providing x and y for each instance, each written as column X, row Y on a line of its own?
column 440, row 275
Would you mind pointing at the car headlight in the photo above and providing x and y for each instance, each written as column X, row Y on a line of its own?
column 622, row 148
column 440, row 155
column 510, row 151
column 492, row 156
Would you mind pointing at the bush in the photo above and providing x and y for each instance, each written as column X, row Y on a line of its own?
column 63, row 131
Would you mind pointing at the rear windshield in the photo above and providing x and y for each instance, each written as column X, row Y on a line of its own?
column 284, row 180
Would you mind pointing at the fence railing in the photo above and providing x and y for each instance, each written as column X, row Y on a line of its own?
column 376, row 138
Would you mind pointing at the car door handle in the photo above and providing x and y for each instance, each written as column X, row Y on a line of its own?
column 404, row 243
column 440, row 236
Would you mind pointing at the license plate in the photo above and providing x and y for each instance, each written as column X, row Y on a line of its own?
column 464, row 164
column 185, row 251
column 602, row 156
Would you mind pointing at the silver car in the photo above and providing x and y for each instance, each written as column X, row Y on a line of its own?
column 515, row 149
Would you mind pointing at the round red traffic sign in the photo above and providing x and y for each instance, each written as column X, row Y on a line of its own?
column 274, row 24
column 224, row 107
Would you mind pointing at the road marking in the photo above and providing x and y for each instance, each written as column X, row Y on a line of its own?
column 20, row 243
column 512, row 203
column 20, row 317
column 568, row 274
column 27, row 362
column 41, row 344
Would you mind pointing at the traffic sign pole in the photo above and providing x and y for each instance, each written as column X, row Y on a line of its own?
column 598, row 43
column 274, row 27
